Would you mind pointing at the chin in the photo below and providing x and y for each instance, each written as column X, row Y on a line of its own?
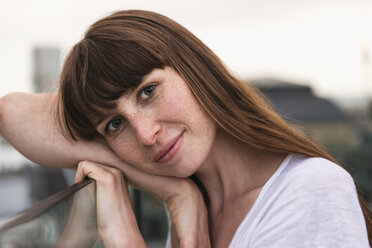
column 183, row 175
column 185, row 171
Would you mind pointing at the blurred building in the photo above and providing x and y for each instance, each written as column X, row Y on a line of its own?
column 347, row 137
column 22, row 182
column 14, row 188
column 46, row 67
column 317, row 117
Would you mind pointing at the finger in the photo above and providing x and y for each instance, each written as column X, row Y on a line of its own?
column 89, row 169
column 79, row 173
column 103, row 174
column 111, row 183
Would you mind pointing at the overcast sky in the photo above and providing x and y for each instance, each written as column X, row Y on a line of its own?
column 314, row 42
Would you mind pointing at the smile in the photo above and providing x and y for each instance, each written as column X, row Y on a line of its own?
column 170, row 150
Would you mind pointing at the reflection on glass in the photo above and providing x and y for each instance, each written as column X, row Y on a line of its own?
column 66, row 219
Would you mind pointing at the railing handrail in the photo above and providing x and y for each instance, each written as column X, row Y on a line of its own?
column 38, row 208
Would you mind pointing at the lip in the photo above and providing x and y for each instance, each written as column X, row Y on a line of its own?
column 169, row 150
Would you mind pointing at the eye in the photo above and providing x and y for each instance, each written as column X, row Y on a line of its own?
column 114, row 124
column 146, row 93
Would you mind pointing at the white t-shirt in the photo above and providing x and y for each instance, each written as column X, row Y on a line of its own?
column 307, row 202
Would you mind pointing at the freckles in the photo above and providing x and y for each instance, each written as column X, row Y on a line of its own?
column 125, row 148
column 172, row 106
column 128, row 154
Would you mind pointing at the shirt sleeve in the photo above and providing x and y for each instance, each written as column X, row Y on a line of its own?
column 317, row 207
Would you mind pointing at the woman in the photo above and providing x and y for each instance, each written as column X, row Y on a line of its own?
column 142, row 94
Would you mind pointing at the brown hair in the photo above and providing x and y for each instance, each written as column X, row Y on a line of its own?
column 118, row 50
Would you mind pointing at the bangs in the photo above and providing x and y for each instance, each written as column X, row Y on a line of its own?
column 96, row 73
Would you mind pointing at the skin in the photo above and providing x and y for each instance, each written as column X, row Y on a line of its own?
column 144, row 121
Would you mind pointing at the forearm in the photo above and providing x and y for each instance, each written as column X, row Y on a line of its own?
column 28, row 122
column 121, row 231
column 190, row 227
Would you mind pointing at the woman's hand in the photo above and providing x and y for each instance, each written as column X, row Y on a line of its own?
column 184, row 201
column 117, row 225
column 182, row 197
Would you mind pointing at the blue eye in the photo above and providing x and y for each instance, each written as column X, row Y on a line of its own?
column 114, row 124
column 146, row 92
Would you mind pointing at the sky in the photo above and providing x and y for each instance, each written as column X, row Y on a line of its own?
column 319, row 43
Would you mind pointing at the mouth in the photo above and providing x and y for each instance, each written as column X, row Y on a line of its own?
column 169, row 150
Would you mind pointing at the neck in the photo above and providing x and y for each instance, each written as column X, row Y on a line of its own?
column 232, row 170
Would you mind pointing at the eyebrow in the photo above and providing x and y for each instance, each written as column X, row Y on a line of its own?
column 99, row 122
column 150, row 76
column 101, row 118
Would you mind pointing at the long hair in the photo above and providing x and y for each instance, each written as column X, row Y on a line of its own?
column 120, row 49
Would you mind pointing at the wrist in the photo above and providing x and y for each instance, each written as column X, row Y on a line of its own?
column 117, row 224
column 190, row 227
column 122, row 237
column 124, row 242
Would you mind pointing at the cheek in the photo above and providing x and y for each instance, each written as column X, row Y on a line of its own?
column 179, row 106
column 127, row 150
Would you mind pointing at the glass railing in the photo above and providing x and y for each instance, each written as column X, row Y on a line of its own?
column 66, row 219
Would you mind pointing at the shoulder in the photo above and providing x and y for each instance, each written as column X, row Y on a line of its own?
column 313, row 203
column 318, row 184
column 314, row 173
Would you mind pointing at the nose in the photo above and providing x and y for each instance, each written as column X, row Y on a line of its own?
column 146, row 130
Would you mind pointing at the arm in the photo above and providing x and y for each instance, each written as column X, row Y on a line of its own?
column 28, row 122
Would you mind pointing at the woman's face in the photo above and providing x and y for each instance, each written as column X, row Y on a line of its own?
column 159, row 127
